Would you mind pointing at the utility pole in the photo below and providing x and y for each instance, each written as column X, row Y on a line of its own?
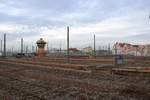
column 4, row 45
column 21, row 45
column 47, row 48
column 109, row 48
column 26, row 49
column 60, row 47
column 32, row 49
column 12, row 50
column 51, row 48
column 115, row 53
column 94, row 46
column 103, row 47
column 68, row 60
column 116, row 48
column 99, row 50
column 36, row 49
column 136, row 51
column 1, row 46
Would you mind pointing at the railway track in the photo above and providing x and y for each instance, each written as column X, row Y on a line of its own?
column 60, row 65
column 39, row 89
column 38, row 82
column 20, row 88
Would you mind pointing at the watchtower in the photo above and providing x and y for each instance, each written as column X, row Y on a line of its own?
column 41, row 47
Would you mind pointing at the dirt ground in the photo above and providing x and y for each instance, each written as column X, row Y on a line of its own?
column 29, row 82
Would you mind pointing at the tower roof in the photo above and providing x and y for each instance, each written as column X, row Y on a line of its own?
column 41, row 41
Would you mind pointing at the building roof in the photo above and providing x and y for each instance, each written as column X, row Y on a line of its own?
column 88, row 47
column 123, row 44
column 73, row 49
column 130, row 46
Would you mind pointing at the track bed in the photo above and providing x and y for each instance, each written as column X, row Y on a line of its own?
column 33, row 82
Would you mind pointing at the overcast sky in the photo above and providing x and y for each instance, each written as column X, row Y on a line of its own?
column 110, row 20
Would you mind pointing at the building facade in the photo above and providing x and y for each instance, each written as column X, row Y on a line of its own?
column 88, row 50
column 129, row 49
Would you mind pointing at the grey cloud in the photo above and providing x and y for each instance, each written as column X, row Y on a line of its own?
column 60, row 13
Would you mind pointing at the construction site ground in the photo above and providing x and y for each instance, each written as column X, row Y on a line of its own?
column 37, row 79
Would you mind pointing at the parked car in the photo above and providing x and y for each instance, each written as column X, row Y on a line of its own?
column 20, row 55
